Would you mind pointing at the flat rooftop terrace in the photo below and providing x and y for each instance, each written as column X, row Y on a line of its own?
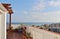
column 14, row 35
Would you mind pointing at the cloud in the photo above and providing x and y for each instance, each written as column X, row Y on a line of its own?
column 53, row 16
column 40, row 4
column 25, row 12
column 43, row 4
column 39, row 7
column 44, row 17
column 54, row 3
column 37, row 16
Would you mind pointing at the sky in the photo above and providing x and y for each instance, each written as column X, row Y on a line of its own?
column 34, row 10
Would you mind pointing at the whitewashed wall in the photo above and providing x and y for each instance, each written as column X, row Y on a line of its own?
column 2, row 26
column 42, row 34
column 3, row 13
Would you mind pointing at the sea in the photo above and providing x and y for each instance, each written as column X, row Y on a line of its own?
column 16, row 25
column 32, row 23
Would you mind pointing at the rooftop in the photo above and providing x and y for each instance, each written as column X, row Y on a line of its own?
column 14, row 35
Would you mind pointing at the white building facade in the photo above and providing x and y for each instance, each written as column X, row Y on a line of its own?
column 3, row 13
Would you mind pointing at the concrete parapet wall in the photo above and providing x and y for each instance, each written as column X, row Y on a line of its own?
column 42, row 34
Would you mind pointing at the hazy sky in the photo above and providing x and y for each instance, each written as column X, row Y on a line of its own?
column 35, row 10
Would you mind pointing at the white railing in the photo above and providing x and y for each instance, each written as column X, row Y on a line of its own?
column 42, row 34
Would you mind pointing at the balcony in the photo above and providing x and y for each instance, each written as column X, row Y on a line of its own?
column 18, row 33
column 35, row 33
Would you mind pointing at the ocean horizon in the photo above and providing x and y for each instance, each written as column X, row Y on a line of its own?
column 32, row 23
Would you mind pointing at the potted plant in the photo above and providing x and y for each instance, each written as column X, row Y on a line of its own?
column 24, row 37
column 28, row 36
column 16, row 30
